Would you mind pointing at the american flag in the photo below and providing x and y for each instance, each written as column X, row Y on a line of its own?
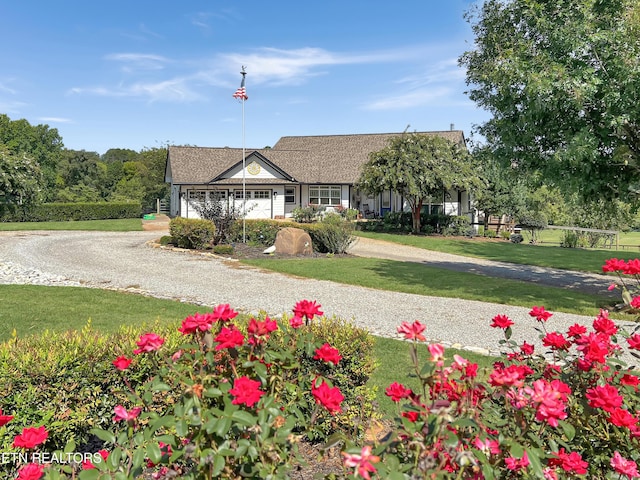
column 241, row 93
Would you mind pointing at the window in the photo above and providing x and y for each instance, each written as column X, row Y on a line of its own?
column 324, row 194
column 197, row 195
column 216, row 195
column 289, row 195
column 262, row 194
column 237, row 194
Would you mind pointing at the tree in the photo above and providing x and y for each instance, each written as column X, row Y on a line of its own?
column 418, row 167
column 40, row 143
column 501, row 191
column 561, row 79
column 20, row 180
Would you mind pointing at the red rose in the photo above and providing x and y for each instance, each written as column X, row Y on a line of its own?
column 328, row 354
column 121, row 363
column 30, row 437
column 31, row 471
column 246, row 391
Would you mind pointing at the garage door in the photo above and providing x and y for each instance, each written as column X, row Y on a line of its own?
column 258, row 203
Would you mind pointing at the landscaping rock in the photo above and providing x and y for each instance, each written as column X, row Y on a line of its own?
column 293, row 241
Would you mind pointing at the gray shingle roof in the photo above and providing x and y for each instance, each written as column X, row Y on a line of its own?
column 328, row 159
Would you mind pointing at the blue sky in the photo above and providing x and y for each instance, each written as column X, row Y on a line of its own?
column 141, row 74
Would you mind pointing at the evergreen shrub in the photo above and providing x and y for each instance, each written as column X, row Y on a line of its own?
column 192, row 232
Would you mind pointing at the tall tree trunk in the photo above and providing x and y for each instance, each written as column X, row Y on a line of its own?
column 415, row 213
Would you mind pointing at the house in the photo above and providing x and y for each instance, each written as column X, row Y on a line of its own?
column 295, row 172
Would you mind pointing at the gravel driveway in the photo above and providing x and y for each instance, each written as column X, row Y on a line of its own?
column 127, row 261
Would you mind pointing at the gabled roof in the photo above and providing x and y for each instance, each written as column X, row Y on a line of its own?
column 335, row 159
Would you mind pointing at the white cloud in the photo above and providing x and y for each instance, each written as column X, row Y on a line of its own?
column 174, row 90
column 55, row 120
column 410, row 99
column 293, row 67
column 139, row 61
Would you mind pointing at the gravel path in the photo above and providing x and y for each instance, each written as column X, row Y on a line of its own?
column 127, row 261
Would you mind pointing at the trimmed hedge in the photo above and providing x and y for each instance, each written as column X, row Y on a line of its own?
column 64, row 212
column 192, row 232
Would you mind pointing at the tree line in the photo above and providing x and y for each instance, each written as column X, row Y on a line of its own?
column 35, row 167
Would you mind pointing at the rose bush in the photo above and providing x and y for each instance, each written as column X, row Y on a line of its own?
column 242, row 397
column 572, row 411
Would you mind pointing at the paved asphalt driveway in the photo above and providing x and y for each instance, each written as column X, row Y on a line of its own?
column 127, row 261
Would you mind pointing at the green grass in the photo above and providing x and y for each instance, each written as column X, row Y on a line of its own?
column 118, row 225
column 419, row 279
column 32, row 309
column 580, row 260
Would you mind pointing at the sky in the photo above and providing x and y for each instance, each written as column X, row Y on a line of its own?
column 141, row 74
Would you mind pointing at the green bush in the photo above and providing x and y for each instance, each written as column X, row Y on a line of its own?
column 401, row 222
column 223, row 249
column 570, row 239
column 258, row 232
column 192, row 232
column 516, row 238
column 330, row 237
column 459, row 225
column 166, row 240
column 64, row 212
column 307, row 214
column 67, row 381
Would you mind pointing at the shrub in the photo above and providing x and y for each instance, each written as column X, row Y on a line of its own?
column 258, row 232
column 570, row 239
column 223, row 215
column 505, row 234
column 223, row 249
column 490, row 234
column 307, row 214
column 533, row 222
column 242, row 394
column 458, row 226
column 166, row 240
column 516, row 238
column 329, row 237
column 67, row 381
column 568, row 412
column 64, row 212
column 192, row 232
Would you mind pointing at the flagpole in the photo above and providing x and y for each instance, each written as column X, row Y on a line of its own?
column 244, row 184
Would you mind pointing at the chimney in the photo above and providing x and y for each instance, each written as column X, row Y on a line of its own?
column 452, row 126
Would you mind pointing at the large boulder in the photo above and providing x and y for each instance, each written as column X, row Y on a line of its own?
column 293, row 241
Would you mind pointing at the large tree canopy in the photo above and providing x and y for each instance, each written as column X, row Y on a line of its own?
column 561, row 79
column 20, row 180
column 38, row 142
column 418, row 167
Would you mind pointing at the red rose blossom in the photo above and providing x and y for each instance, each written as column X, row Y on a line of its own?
column 501, row 321
column 4, row 419
column 540, row 314
column 329, row 397
column 397, row 391
column 121, row 363
column 229, row 338
column 246, row 391
column 149, row 342
column 307, row 309
column 328, row 354
column 31, row 437
column 223, row 313
column 31, row 471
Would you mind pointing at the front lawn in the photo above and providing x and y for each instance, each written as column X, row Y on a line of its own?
column 116, row 225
